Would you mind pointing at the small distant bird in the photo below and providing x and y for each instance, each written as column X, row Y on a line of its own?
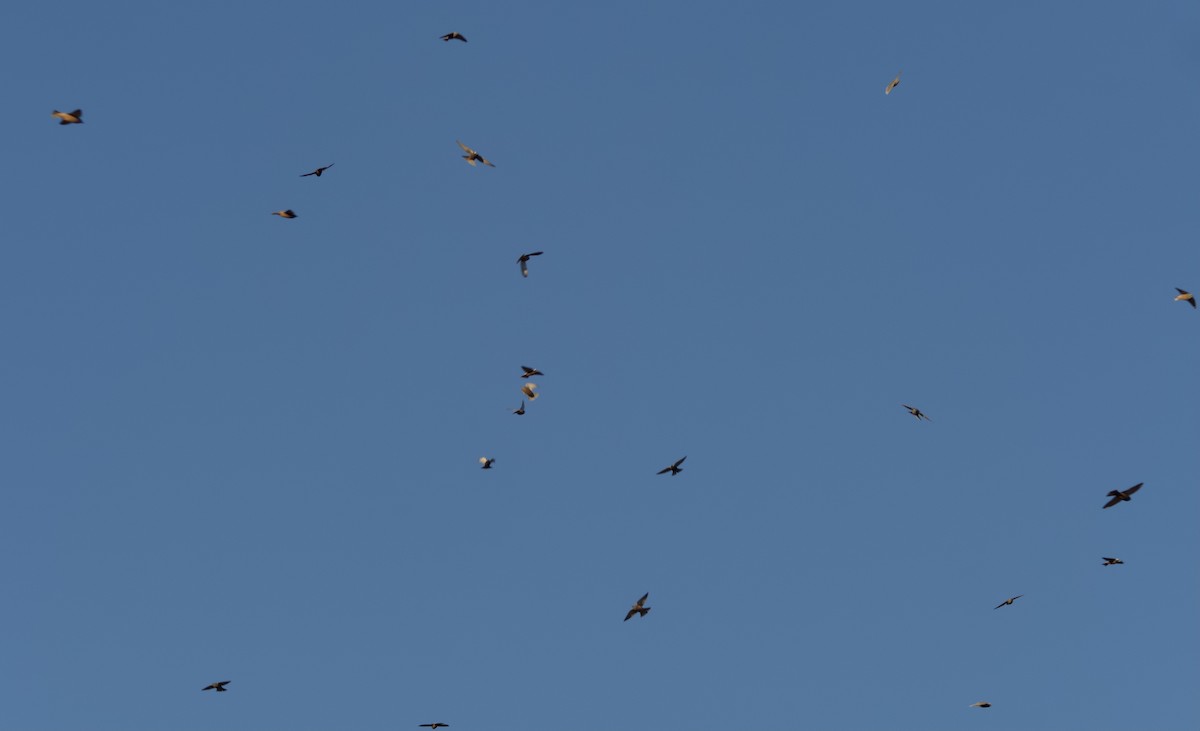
column 1111, row 561
column 472, row 157
column 520, row 411
column 638, row 608
column 319, row 170
column 892, row 84
column 1008, row 601
column 219, row 687
column 1122, row 495
column 487, row 463
column 1184, row 295
column 980, row 704
column 289, row 213
column 455, row 36
column 530, row 372
column 75, row 117
column 525, row 258
column 434, row 725
column 916, row 412
column 528, row 390
column 674, row 469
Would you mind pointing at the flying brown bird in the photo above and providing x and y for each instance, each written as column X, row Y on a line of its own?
column 530, row 372
column 892, row 84
column 980, row 704
column 1184, row 295
column 528, row 390
column 487, row 463
column 916, row 412
column 75, row 117
column 1008, row 601
column 523, row 262
column 289, row 213
column 674, row 469
column 319, row 170
column 638, row 608
column 219, row 687
column 472, row 157
column 434, row 725
column 1122, row 495
column 1111, row 561
column 455, row 36
column 520, row 411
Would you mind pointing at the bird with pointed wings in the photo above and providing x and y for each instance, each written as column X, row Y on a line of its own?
column 892, row 84
column 319, row 170
column 916, row 412
column 524, row 262
column 289, row 213
column 520, row 411
column 1008, row 601
column 486, row 462
column 219, row 687
column 1186, row 296
column 434, row 725
column 75, row 117
column 674, row 469
column 454, row 36
column 1111, row 561
column 639, row 607
column 530, row 372
column 1122, row 495
column 980, row 704
column 472, row 157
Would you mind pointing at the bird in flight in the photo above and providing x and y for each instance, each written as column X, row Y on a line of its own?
column 638, row 608
column 674, row 469
column 916, row 412
column 319, row 170
column 523, row 261
column 1184, row 295
column 472, row 157
column 520, row 411
column 528, row 390
column 219, row 687
column 434, row 725
column 75, row 117
column 892, row 84
column 530, row 372
column 1122, row 495
column 487, row 463
column 1008, row 601
column 289, row 213
column 980, row 704
column 1111, row 561
column 455, row 36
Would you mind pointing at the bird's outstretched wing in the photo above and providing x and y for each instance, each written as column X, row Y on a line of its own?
column 642, row 601
column 663, row 471
column 679, row 462
column 1135, row 488
column 466, row 149
column 629, row 614
column 1112, row 502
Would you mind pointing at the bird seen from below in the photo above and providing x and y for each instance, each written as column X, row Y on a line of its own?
column 520, row 411
column 980, row 704
column 1122, row 495
column 289, row 213
column 639, row 608
column 487, row 463
column 528, row 390
column 523, row 261
column 674, row 469
column 1008, row 601
column 219, row 687
column 472, row 157
column 75, row 117
column 1184, row 295
column 1111, row 561
column 319, row 170
column 530, row 372
column 455, row 36
column 892, row 84
column 916, row 412
column 434, row 725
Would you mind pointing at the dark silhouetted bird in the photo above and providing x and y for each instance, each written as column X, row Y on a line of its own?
column 1111, row 561
column 219, row 687
column 523, row 262
column 455, row 36
column 434, row 725
column 318, row 171
column 916, row 412
column 75, row 117
column 892, row 84
column 980, row 704
column 289, row 213
column 1008, row 601
column 1122, row 495
column 1184, row 295
column 638, row 608
column 674, row 469
column 530, row 372
column 487, row 463
column 472, row 157
column 520, row 411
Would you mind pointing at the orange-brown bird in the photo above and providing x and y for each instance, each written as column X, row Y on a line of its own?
column 75, row 117
column 892, row 84
column 528, row 390
column 289, row 213
column 1184, row 295
column 639, row 607
column 472, row 157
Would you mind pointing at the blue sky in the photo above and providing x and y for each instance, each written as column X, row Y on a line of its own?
column 240, row 447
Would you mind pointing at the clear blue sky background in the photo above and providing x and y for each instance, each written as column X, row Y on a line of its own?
column 243, row 448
